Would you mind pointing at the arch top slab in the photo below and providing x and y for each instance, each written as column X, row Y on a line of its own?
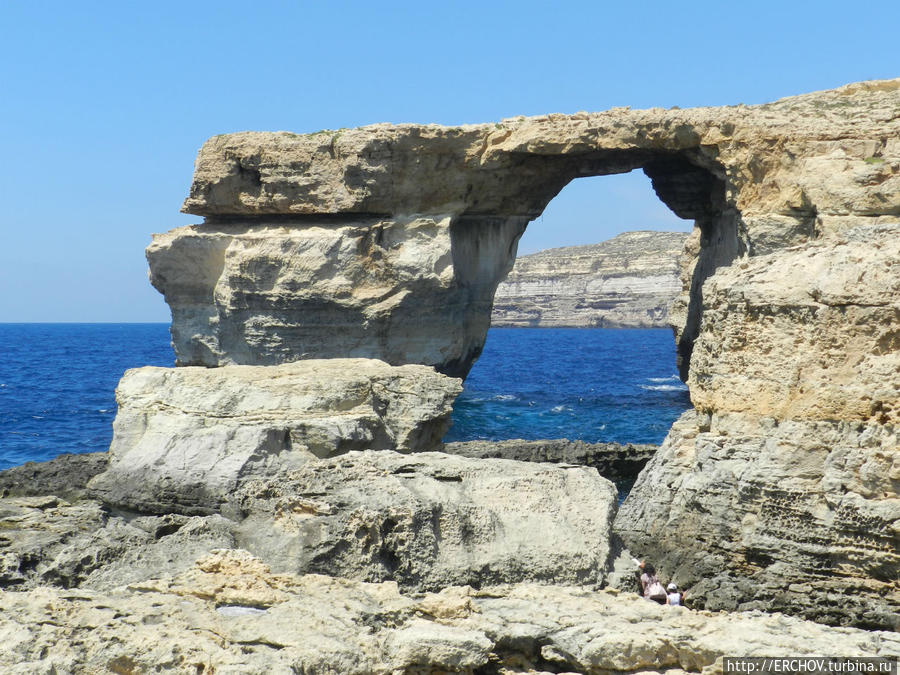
column 388, row 241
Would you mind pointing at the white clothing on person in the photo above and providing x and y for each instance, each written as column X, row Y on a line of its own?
column 674, row 598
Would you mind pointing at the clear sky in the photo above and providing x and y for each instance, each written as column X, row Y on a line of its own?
column 103, row 105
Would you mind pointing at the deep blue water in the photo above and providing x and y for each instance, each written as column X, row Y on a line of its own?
column 57, row 384
column 58, row 381
column 589, row 384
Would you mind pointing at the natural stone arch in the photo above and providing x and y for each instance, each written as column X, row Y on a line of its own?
column 779, row 489
column 690, row 184
column 400, row 271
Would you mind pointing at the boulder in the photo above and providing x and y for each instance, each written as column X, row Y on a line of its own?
column 230, row 613
column 431, row 520
column 184, row 438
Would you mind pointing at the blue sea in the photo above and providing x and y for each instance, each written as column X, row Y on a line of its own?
column 57, row 384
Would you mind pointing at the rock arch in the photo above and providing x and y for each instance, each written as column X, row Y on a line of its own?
column 780, row 490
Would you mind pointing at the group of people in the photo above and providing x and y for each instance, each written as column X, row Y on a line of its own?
column 652, row 588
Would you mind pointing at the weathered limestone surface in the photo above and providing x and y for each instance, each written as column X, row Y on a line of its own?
column 757, row 513
column 626, row 282
column 425, row 521
column 230, row 613
column 788, row 478
column 430, row 520
column 184, row 438
column 324, row 245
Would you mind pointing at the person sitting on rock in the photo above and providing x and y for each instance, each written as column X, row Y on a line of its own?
column 650, row 586
column 673, row 595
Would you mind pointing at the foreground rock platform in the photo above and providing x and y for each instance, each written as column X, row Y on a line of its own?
column 424, row 521
column 230, row 613
column 184, row 438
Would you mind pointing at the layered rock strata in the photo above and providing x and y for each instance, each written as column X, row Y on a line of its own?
column 389, row 242
column 230, row 613
column 626, row 282
column 184, row 438
column 787, row 475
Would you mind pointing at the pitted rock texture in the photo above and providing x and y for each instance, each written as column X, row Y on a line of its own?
column 811, row 333
column 626, row 282
column 230, row 613
column 322, row 245
column 789, row 477
column 425, row 521
column 184, row 438
column 430, row 520
column 756, row 513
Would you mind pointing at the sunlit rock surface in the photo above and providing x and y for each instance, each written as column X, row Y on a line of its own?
column 230, row 613
column 787, row 476
column 389, row 242
column 185, row 438
column 424, row 521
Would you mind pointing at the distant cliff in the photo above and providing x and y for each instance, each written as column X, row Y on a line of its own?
column 626, row 282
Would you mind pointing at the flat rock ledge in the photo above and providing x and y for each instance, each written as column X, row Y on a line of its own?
column 230, row 614
column 184, row 438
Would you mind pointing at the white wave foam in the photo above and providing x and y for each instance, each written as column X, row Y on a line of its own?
column 504, row 397
column 560, row 408
column 671, row 378
column 664, row 387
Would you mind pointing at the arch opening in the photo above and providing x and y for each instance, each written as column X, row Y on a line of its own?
column 651, row 369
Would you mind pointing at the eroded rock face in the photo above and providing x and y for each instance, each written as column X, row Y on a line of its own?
column 424, row 521
column 430, row 520
column 324, row 245
column 389, row 242
column 230, row 613
column 184, row 438
column 787, row 479
column 628, row 281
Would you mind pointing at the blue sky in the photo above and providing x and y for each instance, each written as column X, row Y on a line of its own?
column 104, row 104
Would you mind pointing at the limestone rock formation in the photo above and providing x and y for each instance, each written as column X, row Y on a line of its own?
column 787, row 478
column 326, row 244
column 184, row 438
column 230, row 613
column 425, row 521
column 430, row 520
column 626, row 282
column 394, row 239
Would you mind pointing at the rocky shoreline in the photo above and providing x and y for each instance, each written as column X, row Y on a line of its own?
column 88, row 587
column 280, row 500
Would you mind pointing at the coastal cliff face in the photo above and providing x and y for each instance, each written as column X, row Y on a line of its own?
column 626, row 282
column 786, row 476
column 389, row 242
